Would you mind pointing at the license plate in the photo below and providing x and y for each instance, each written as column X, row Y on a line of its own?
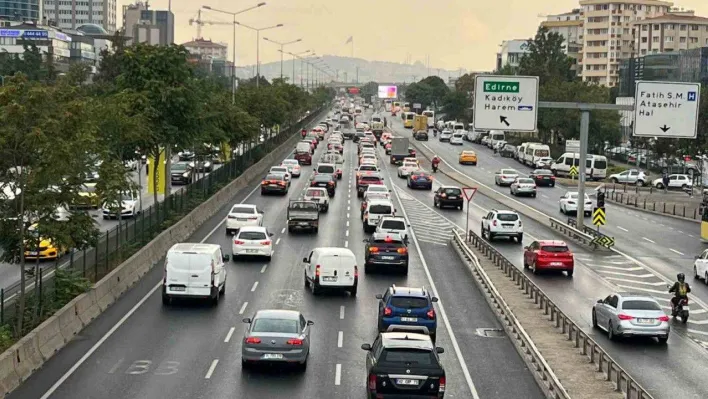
column 453, row 197
column 34, row 253
column 178, row 288
column 251, row 251
column 303, row 224
column 401, row 381
column 322, row 185
column 556, row 263
column 409, row 319
column 242, row 220
column 388, row 257
column 270, row 356
column 546, row 178
column 645, row 321
column 329, row 278
column 273, row 185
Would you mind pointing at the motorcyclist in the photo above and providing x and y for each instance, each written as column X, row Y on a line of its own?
column 680, row 290
column 435, row 163
column 303, row 132
column 435, row 132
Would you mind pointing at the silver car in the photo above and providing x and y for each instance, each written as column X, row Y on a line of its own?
column 523, row 186
column 626, row 314
column 276, row 336
column 505, row 177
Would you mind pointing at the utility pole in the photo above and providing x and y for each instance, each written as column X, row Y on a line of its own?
column 357, row 75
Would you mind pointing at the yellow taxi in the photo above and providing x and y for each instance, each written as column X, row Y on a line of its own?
column 468, row 157
column 46, row 251
column 88, row 197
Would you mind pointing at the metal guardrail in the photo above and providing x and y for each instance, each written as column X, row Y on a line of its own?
column 613, row 372
column 572, row 232
column 667, row 208
column 511, row 324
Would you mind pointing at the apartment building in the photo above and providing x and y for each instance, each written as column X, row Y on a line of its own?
column 608, row 34
column 143, row 25
column 670, row 32
column 570, row 26
column 511, row 52
column 70, row 14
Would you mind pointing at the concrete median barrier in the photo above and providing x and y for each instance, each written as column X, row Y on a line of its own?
column 19, row 361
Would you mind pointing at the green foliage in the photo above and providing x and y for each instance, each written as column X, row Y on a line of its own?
column 69, row 285
column 507, row 70
column 546, row 58
column 428, row 92
column 368, row 90
column 455, row 106
column 465, row 83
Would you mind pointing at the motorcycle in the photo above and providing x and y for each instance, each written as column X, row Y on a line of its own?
column 435, row 168
column 681, row 310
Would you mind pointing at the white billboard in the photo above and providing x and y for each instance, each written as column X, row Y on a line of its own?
column 388, row 92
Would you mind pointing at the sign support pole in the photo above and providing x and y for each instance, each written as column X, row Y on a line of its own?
column 467, row 221
column 584, row 128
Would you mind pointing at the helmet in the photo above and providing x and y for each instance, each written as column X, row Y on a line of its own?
column 681, row 277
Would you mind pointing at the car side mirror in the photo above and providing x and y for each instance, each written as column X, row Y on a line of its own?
column 261, row 212
column 270, row 234
column 434, row 299
column 366, row 347
column 439, row 349
column 310, row 322
column 379, row 296
column 364, row 240
column 304, row 260
column 600, row 301
column 225, row 258
column 526, row 248
column 247, row 320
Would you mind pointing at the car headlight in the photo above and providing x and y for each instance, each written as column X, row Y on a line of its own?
column 185, row 175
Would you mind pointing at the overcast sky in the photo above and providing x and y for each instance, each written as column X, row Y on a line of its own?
column 453, row 33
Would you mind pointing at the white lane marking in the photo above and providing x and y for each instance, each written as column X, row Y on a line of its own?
column 544, row 196
column 346, row 244
column 623, row 229
column 282, row 231
column 263, row 269
column 277, row 241
column 243, row 308
column 433, row 242
column 228, row 336
column 675, row 251
column 255, row 285
column 341, row 312
column 347, row 223
column 346, row 233
column 347, row 215
column 646, row 239
column 696, row 331
column 679, row 231
column 626, row 274
column 340, row 339
column 441, row 308
column 630, row 289
column 338, row 374
column 657, row 284
column 349, row 201
column 211, row 369
column 349, row 208
column 630, row 269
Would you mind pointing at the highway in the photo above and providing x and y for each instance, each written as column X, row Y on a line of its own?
column 138, row 348
column 665, row 371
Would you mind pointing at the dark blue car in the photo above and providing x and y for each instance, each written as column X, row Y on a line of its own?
column 407, row 309
column 420, row 180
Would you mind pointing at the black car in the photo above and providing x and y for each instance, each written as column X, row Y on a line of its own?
column 324, row 180
column 421, row 135
column 388, row 251
column 181, row 173
column 420, row 179
column 448, row 196
column 543, row 177
column 404, row 364
column 274, row 183
column 358, row 136
column 186, row 155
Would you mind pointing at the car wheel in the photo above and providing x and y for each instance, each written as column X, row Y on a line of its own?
column 313, row 288
column 614, row 180
column 533, row 195
column 569, row 273
column 166, row 300
column 520, row 238
column 659, row 186
column 404, row 270
column 663, row 340
column 683, row 187
column 705, row 278
column 303, row 366
column 526, row 265
column 511, row 192
column 610, row 331
column 306, row 282
column 695, row 273
column 594, row 319
column 367, row 268
column 534, row 269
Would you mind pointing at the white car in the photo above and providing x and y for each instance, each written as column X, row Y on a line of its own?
column 505, row 177
column 569, row 203
column 243, row 215
column 293, row 167
column 377, row 188
column 407, row 168
column 391, row 226
column 502, row 223
column 456, row 138
column 366, row 168
column 445, row 135
column 318, row 195
column 281, row 169
column 543, row 163
column 700, row 267
column 130, row 206
column 675, row 181
column 370, row 157
column 375, row 210
column 523, row 186
column 253, row 241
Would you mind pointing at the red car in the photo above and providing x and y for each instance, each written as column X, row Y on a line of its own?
column 313, row 139
column 337, row 147
column 304, row 158
column 549, row 255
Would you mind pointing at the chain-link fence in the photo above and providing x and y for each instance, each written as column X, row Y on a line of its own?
column 68, row 276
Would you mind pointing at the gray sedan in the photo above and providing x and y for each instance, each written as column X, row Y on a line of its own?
column 276, row 336
column 505, row 177
column 523, row 186
column 626, row 314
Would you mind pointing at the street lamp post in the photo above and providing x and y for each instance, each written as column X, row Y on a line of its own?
column 258, row 46
column 281, row 50
column 233, row 49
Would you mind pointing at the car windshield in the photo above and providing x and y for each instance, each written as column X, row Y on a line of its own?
column 380, row 209
column 275, row 177
column 179, row 167
column 290, row 162
column 368, row 167
column 243, row 209
column 542, row 172
column 370, row 179
column 325, row 169
column 283, row 326
column 507, row 217
column 639, row 304
column 453, row 191
column 314, row 193
column 509, row 172
column 127, row 197
column 379, row 189
column 575, row 196
column 323, row 177
column 252, row 235
column 393, row 225
column 525, row 181
column 410, row 165
column 408, row 356
column 554, row 248
column 409, row 302
column 88, row 189
column 279, row 169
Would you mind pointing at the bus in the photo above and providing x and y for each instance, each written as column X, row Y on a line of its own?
column 431, row 118
column 396, row 107
column 704, row 222
column 406, row 107
column 408, row 119
column 388, row 104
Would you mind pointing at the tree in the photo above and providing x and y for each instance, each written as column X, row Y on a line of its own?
column 455, row 106
column 465, row 83
column 368, row 90
column 437, row 90
column 507, row 70
column 419, row 93
column 546, row 58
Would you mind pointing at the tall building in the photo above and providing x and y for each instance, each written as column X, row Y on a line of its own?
column 207, row 49
column 570, row 26
column 607, row 34
column 143, row 25
column 511, row 52
column 74, row 13
column 674, row 66
column 20, row 10
column 670, row 32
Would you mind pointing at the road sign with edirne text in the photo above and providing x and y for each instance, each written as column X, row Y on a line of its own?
column 666, row 109
column 507, row 103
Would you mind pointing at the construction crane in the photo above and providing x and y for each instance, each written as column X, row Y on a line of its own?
column 200, row 22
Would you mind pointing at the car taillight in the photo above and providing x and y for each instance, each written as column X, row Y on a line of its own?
column 330, row 184
column 503, row 177
column 253, row 218
column 494, row 223
column 442, row 384
column 281, row 183
column 624, row 317
column 373, row 249
column 553, row 178
column 520, row 225
column 388, row 311
column 294, row 341
column 253, row 340
column 663, row 318
column 431, row 314
column 239, row 242
column 402, row 250
column 232, row 217
column 356, row 271
column 317, row 271
column 443, row 195
column 266, row 242
column 372, row 382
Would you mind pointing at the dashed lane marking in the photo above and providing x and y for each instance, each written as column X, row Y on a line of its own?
column 229, row 334
column 211, row 369
column 243, row 308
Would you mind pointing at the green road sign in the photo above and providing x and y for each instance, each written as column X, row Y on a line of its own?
column 573, row 171
column 492, row 86
column 598, row 217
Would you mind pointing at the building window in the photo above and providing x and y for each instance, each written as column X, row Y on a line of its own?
column 657, row 27
column 645, row 28
column 655, row 38
column 644, row 40
column 669, row 39
column 682, row 40
column 694, row 27
column 682, row 27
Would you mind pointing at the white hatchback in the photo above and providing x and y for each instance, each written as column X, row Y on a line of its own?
column 243, row 215
column 293, row 166
column 456, row 138
column 253, row 241
column 407, row 168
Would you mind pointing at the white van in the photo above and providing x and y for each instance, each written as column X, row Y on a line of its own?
column 595, row 165
column 194, row 271
column 375, row 210
column 331, row 267
column 458, row 126
column 303, row 146
column 495, row 136
column 431, row 118
column 535, row 151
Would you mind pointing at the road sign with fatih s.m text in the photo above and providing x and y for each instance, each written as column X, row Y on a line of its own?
column 507, row 103
column 598, row 217
column 666, row 109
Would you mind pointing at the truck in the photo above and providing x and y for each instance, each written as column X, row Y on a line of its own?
column 378, row 128
column 399, row 150
column 303, row 215
column 431, row 118
column 420, row 122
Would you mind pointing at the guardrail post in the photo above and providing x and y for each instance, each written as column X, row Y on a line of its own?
column 40, row 299
column 2, row 306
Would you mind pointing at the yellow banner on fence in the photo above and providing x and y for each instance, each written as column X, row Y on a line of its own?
column 225, row 152
column 160, row 183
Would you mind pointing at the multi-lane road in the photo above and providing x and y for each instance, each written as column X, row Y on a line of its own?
column 652, row 249
column 139, row 348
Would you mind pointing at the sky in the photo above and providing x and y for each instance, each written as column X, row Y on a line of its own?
column 453, row 33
